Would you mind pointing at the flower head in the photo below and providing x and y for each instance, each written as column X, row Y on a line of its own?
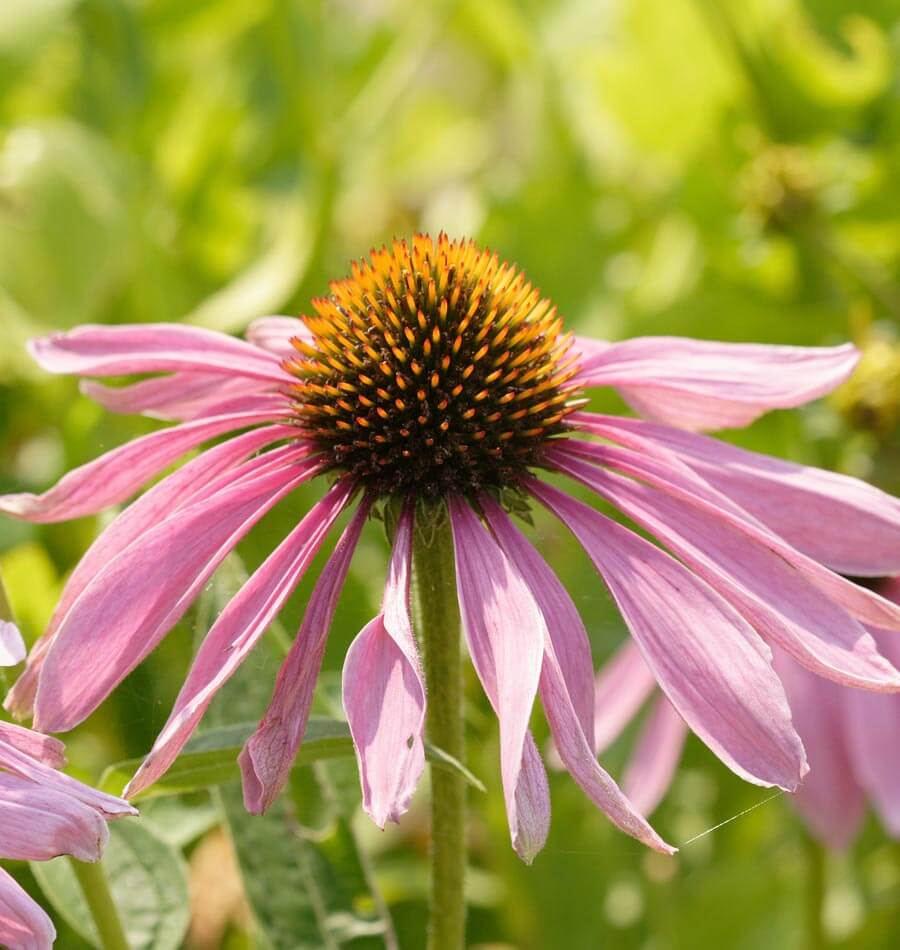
column 434, row 368
column 436, row 373
column 43, row 814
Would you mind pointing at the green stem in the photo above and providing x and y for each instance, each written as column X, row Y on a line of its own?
column 438, row 627
column 815, row 893
column 95, row 888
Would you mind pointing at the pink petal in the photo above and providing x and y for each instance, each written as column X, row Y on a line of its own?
column 115, row 476
column 197, row 477
column 269, row 753
column 621, row 688
column 237, row 630
column 275, row 334
column 830, row 799
column 128, row 608
column 783, row 606
column 531, row 803
column 679, row 481
column 152, row 348
column 699, row 384
column 848, row 525
column 568, row 638
column 40, row 775
column 873, row 725
column 23, row 923
column 12, row 646
column 181, row 396
column 36, row 745
column 38, row 823
column 384, row 696
column 706, row 658
column 655, row 759
column 506, row 633
column 572, row 738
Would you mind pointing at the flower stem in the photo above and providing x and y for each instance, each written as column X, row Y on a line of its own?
column 815, row 893
column 95, row 888
column 438, row 627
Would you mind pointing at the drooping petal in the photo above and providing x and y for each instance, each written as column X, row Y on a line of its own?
column 179, row 397
column 830, row 798
column 24, row 925
column 572, row 737
column 699, row 384
column 36, row 745
column 384, row 696
column 622, row 686
column 783, row 606
column 506, row 633
column 568, row 638
column 848, row 525
column 152, row 348
column 38, row 823
column 198, row 477
column 681, row 482
column 121, row 616
column 873, row 725
column 275, row 334
column 38, row 774
column 269, row 753
column 12, row 646
column 237, row 630
column 532, row 803
column 116, row 475
column 706, row 658
column 655, row 758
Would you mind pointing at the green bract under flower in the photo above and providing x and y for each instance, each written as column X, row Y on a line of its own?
column 433, row 369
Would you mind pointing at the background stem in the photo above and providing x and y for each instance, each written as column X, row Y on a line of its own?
column 93, row 883
column 815, row 893
column 438, row 627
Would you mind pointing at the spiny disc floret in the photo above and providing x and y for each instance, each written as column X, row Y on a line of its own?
column 434, row 368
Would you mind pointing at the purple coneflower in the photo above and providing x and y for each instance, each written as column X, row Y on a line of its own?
column 850, row 736
column 43, row 814
column 437, row 377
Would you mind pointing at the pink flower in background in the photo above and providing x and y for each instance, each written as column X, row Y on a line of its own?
column 43, row 814
column 850, row 736
column 437, row 374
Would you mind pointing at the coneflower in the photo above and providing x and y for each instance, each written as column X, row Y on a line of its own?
column 43, row 813
column 437, row 379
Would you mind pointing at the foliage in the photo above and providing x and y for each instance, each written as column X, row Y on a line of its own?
column 709, row 168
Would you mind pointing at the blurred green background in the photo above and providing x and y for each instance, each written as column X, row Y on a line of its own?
column 725, row 169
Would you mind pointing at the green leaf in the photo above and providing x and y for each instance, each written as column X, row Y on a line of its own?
column 180, row 820
column 307, row 889
column 148, row 880
column 210, row 758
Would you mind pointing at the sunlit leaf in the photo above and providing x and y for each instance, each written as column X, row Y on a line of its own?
column 210, row 759
column 148, row 880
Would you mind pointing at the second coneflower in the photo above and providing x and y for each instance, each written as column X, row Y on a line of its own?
column 437, row 377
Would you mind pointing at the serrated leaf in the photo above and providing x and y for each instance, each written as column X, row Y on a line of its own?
column 148, row 880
